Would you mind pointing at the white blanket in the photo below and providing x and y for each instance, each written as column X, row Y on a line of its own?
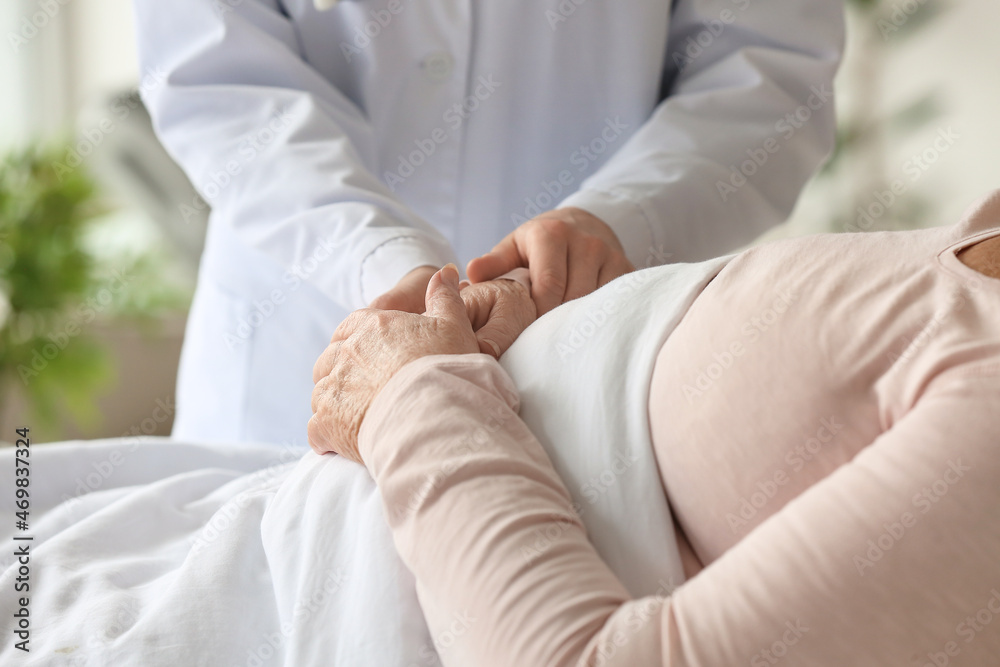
column 153, row 552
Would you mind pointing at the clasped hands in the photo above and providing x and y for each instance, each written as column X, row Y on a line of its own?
column 569, row 253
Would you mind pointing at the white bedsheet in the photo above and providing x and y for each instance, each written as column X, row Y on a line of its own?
column 155, row 552
column 208, row 555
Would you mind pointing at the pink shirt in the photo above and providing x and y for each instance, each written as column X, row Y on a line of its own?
column 825, row 420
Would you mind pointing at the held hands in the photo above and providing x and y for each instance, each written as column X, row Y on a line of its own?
column 569, row 253
column 499, row 311
column 371, row 345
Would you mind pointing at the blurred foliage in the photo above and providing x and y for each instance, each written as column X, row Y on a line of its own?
column 52, row 288
column 862, row 133
column 878, row 10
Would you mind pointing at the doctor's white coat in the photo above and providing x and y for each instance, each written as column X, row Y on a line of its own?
column 341, row 148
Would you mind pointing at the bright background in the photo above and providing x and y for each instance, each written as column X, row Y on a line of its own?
column 896, row 92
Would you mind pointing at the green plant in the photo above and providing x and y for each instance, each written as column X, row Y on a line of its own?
column 859, row 164
column 52, row 287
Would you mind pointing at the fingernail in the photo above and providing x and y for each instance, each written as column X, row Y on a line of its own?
column 450, row 277
column 496, row 348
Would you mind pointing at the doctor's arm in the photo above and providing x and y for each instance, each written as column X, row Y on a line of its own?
column 748, row 119
column 279, row 153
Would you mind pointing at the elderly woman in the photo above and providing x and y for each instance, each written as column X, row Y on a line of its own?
column 823, row 419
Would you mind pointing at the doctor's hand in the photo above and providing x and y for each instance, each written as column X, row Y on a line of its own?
column 408, row 294
column 369, row 347
column 568, row 251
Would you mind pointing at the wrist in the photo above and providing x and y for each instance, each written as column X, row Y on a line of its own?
column 625, row 217
column 406, row 394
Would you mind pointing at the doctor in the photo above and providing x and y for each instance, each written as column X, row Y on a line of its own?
column 349, row 149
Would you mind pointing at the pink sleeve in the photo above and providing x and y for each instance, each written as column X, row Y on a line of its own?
column 860, row 569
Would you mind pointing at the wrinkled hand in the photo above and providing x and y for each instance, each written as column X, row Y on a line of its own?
column 499, row 311
column 569, row 253
column 408, row 294
column 369, row 347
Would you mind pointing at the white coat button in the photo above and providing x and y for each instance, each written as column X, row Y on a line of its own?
column 438, row 66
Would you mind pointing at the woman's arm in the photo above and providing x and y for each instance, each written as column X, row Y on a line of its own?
column 891, row 560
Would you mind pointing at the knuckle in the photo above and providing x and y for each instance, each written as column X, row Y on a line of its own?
column 503, row 290
column 349, row 347
column 341, row 331
column 356, row 317
column 316, row 436
column 317, row 396
column 555, row 227
column 318, row 369
column 383, row 318
column 594, row 246
column 551, row 280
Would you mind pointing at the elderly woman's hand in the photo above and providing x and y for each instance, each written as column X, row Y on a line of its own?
column 499, row 311
column 370, row 346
